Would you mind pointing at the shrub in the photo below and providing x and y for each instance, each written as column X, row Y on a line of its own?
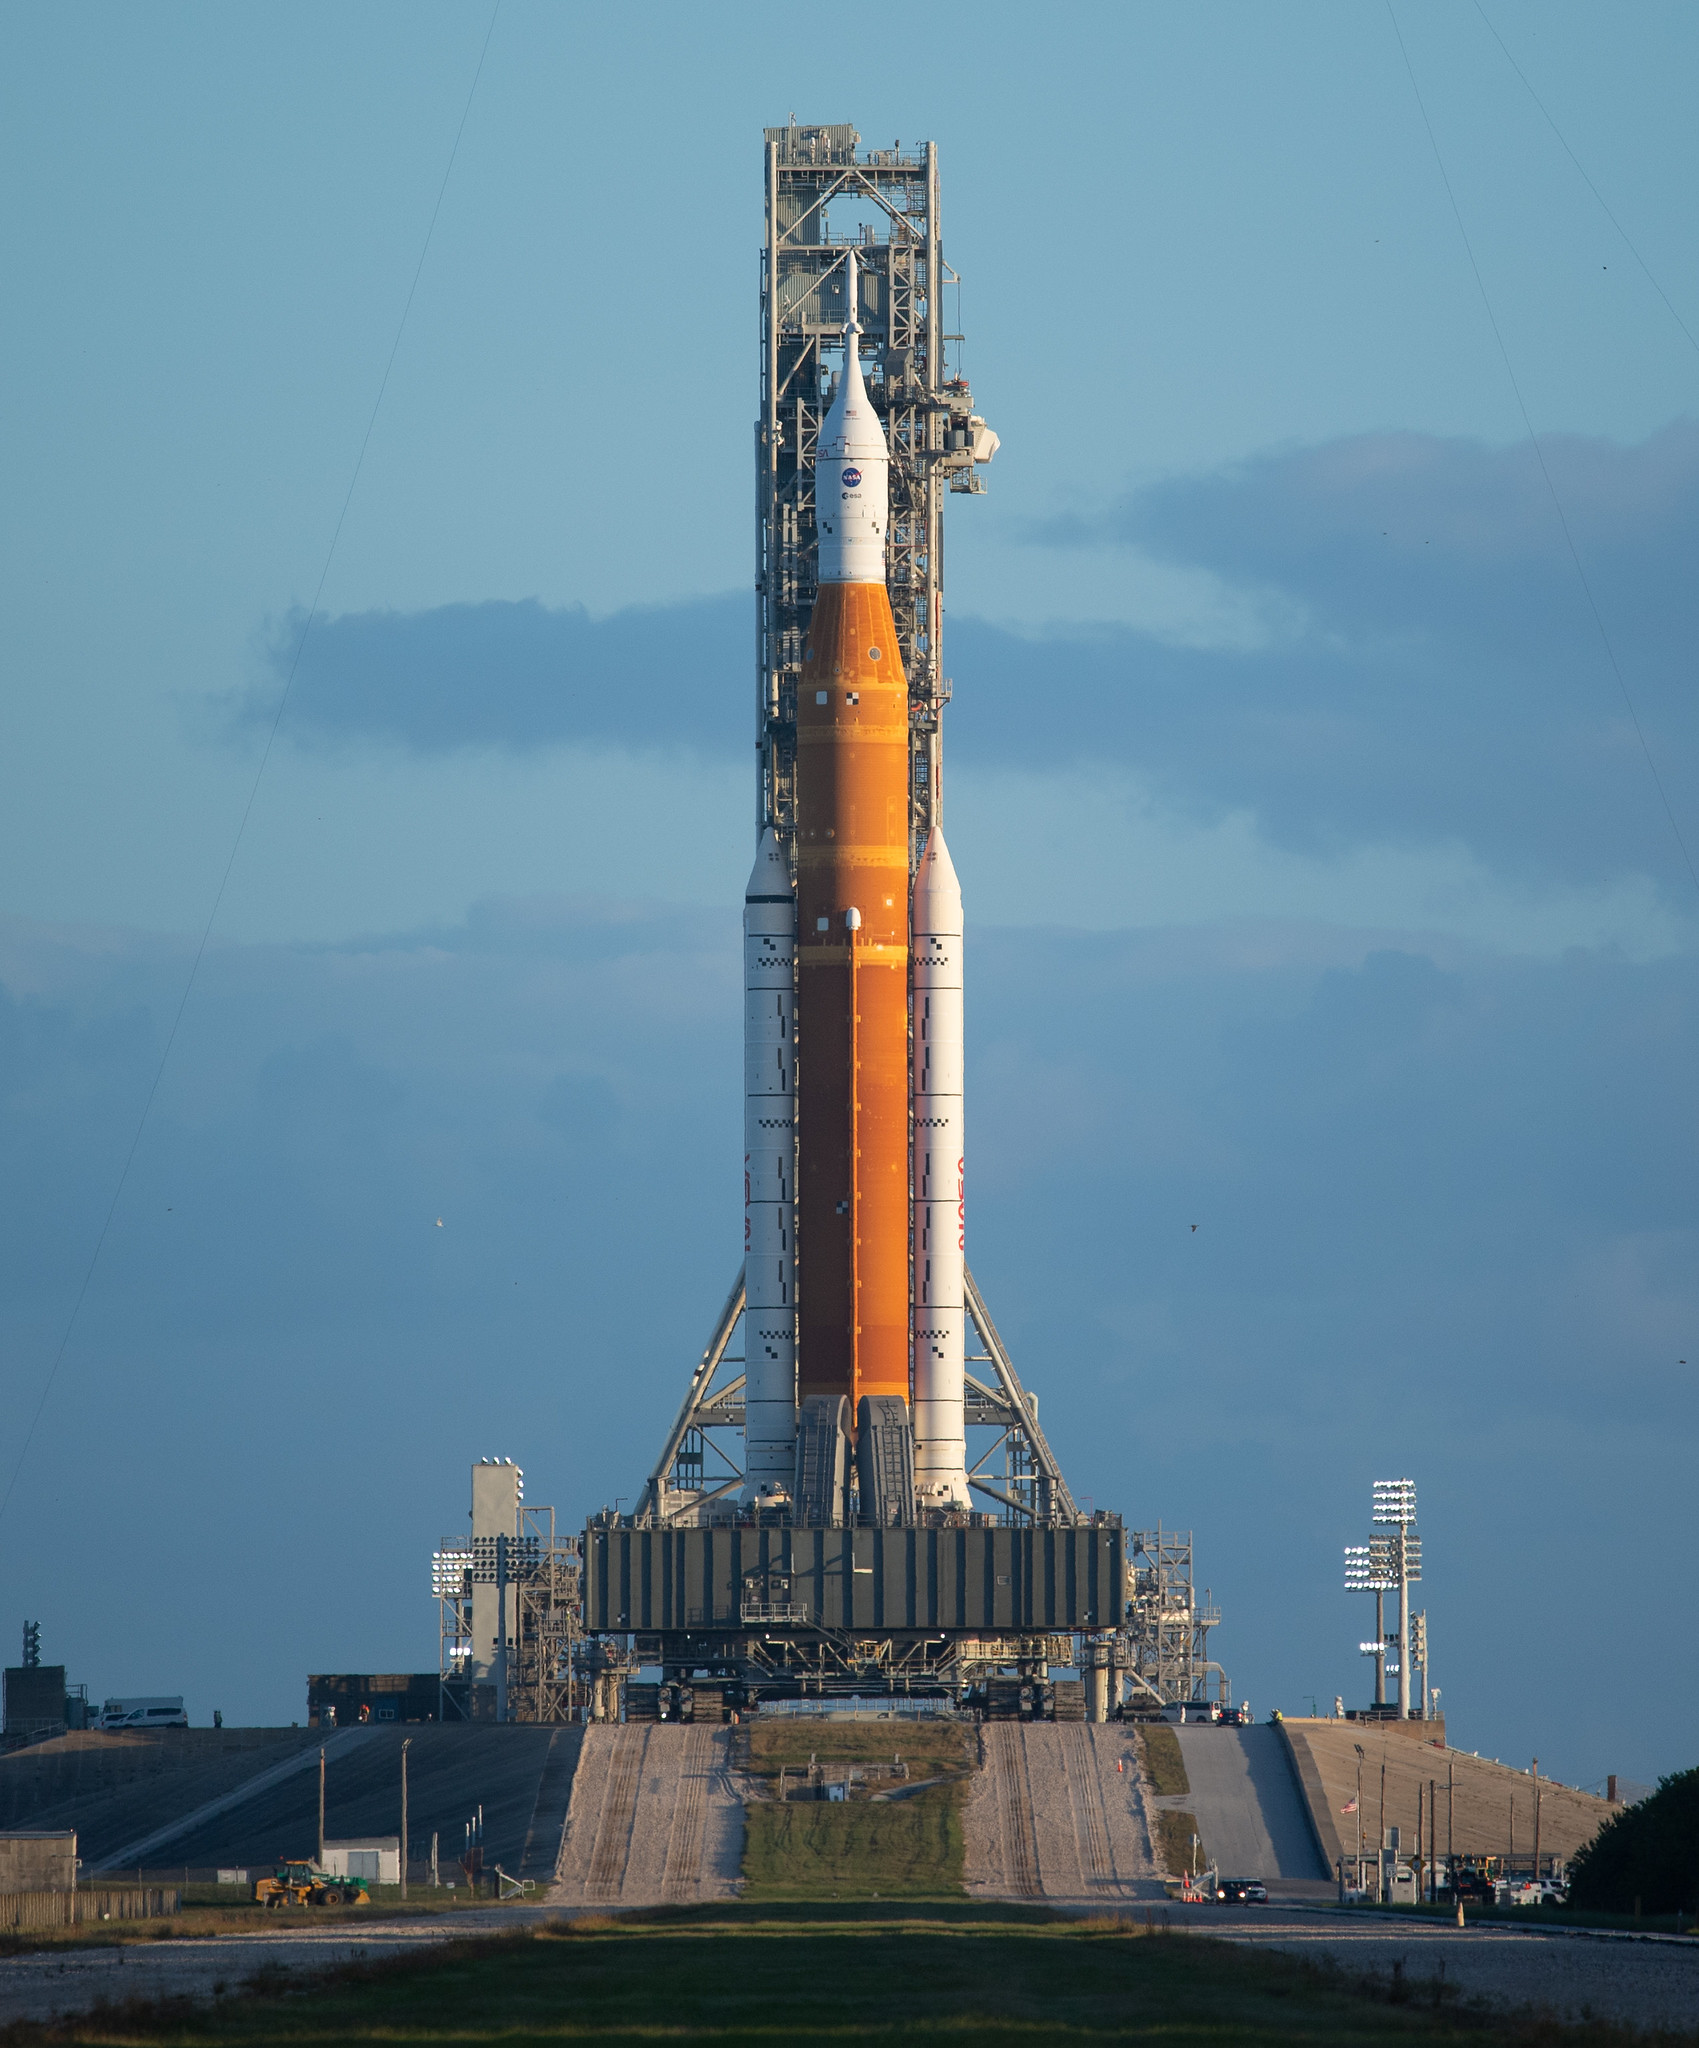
column 1648, row 1853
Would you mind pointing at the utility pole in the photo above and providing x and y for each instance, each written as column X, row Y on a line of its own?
column 1359, row 1749
column 1536, row 1820
column 1433, row 1843
column 1450, row 1844
column 321, row 1807
column 406, row 1745
column 1450, row 1810
column 1380, row 1863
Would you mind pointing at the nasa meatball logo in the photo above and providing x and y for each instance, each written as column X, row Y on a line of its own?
column 851, row 478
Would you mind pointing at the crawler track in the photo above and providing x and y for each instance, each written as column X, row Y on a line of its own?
column 1085, row 1796
column 1014, row 1809
column 683, row 1874
column 613, row 1830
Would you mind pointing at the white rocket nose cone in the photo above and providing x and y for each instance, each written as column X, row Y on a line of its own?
column 937, row 892
column 770, row 878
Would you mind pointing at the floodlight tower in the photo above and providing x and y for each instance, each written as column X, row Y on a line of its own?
column 1395, row 1508
column 1368, row 1570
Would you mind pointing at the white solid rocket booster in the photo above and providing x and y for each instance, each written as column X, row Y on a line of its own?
column 940, row 1313
column 769, row 1173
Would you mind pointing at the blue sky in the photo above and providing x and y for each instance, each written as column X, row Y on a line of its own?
column 1325, row 889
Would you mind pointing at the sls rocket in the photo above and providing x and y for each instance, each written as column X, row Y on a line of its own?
column 865, row 1254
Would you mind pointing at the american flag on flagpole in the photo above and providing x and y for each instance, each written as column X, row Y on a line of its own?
column 1350, row 1806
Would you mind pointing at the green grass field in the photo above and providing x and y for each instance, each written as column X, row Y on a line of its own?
column 909, row 1847
column 976, row 1975
column 865, row 1849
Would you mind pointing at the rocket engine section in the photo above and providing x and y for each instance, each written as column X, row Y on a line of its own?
column 852, row 809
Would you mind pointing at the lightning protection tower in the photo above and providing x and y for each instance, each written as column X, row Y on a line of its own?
column 824, row 197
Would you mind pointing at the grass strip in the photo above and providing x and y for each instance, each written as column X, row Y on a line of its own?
column 987, row 1975
column 1164, row 1766
column 872, row 1849
column 1174, row 1832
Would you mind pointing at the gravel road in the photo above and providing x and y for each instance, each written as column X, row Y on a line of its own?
column 1641, row 1982
column 46, row 1983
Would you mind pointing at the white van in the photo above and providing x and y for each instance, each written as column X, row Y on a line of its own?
column 154, row 1713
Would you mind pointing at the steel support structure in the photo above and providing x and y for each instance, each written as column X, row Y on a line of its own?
column 541, row 1576
column 824, row 196
column 1166, row 1653
column 699, row 1473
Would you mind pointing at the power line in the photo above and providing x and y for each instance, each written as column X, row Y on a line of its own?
column 253, row 793
column 1540, row 457
column 1587, row 181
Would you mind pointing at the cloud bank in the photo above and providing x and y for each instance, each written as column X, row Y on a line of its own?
column 1441, row 678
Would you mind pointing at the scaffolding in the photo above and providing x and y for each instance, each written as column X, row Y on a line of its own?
column 825, row 196
column 1166, row 1660
column 539, row 1575
column 699, row 1473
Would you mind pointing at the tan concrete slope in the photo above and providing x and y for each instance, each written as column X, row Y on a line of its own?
column 1493, row 1806
column 655, row 1819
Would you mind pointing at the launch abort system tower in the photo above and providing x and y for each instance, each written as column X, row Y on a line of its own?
column 863, row 1500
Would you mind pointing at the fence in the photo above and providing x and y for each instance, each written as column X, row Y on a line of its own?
column 35, row 1910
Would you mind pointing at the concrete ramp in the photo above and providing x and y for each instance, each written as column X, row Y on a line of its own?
column 1246, row 1799
column 1057, row 1812
column 655, row 1819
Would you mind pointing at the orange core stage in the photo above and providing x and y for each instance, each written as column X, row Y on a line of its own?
column 852, row 1000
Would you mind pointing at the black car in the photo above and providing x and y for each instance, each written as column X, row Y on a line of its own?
column 1241, row 1891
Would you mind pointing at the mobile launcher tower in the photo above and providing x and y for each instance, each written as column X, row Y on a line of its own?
column 855, row 1548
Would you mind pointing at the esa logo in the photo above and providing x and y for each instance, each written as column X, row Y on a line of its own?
column 851, row 478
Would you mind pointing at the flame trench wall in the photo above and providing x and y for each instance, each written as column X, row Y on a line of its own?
column 971, row 1580
column 852, row 1000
